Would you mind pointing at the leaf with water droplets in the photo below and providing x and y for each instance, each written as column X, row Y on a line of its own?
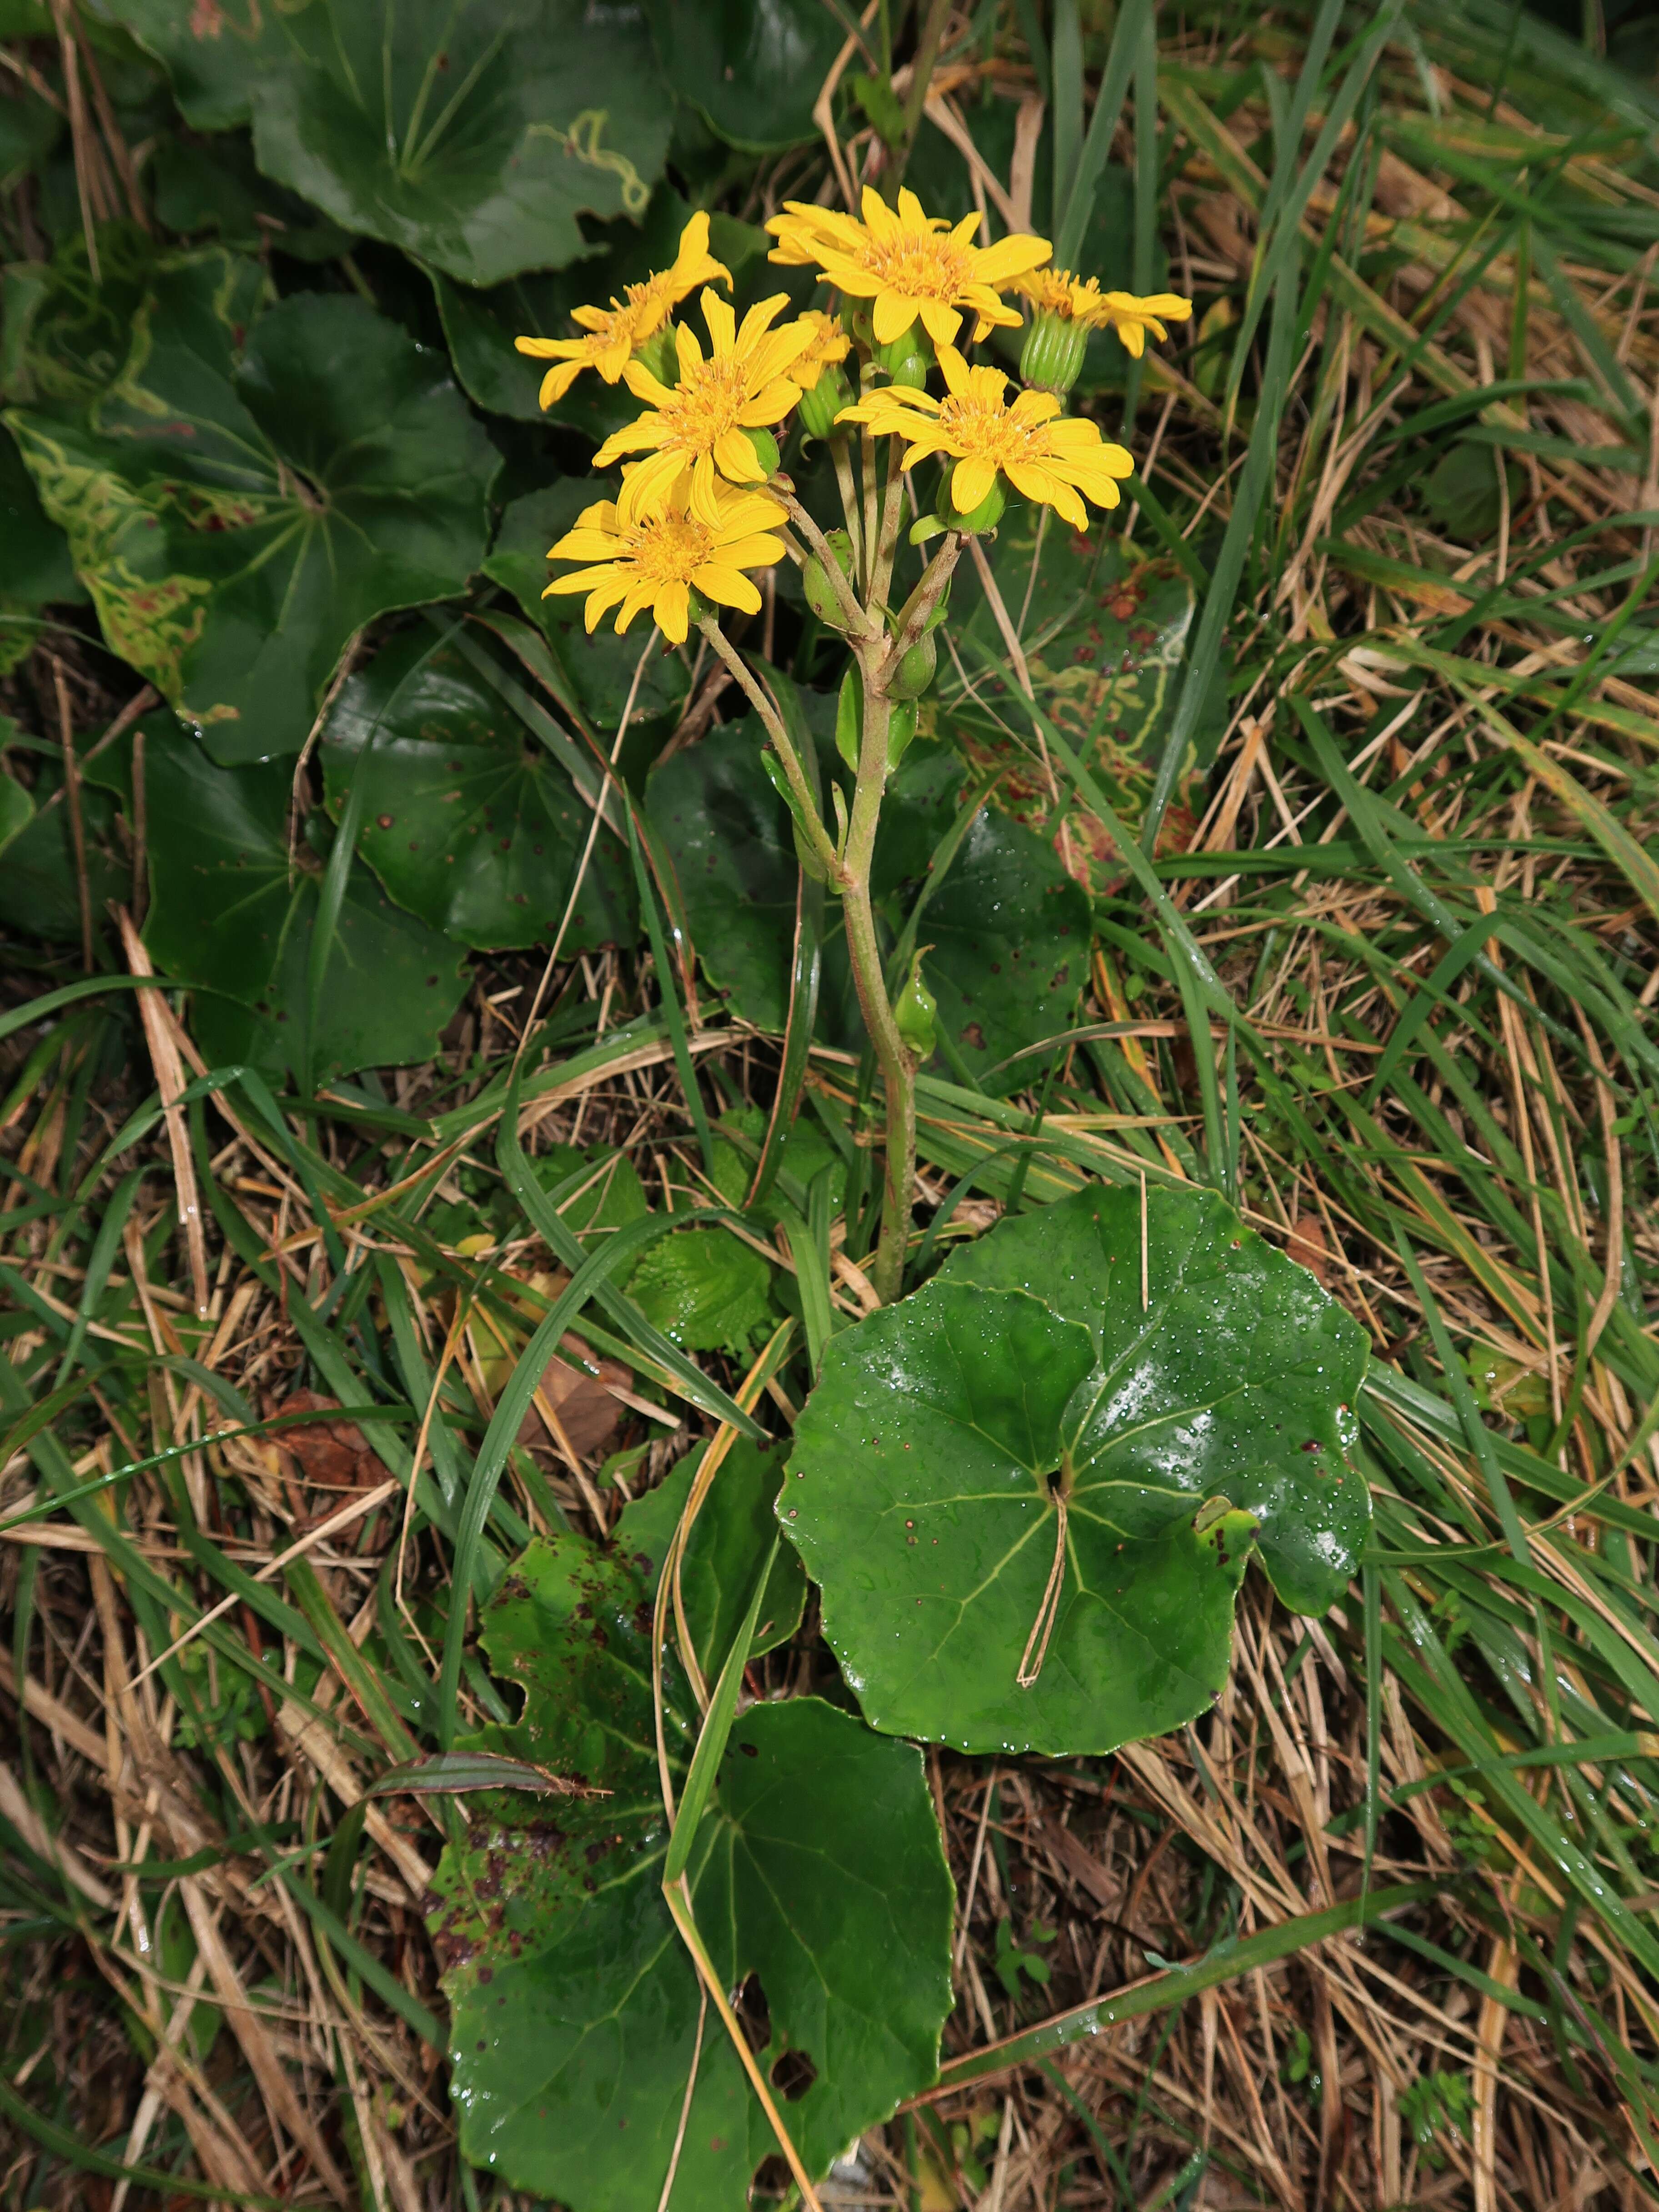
column 1029, row 1500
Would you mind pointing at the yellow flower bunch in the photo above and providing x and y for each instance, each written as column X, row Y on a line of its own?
column 1047, row 457
column 908, row 266
column 692, row 515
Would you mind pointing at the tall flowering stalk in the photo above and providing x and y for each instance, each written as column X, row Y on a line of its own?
column 703, row 505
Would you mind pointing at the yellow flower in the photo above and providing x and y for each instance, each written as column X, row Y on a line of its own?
column 656, row 561
column 829, row 348
column 1045, row 455
column 697, row 428
column 615, row 332
column 1082, row 301
column 909, row 264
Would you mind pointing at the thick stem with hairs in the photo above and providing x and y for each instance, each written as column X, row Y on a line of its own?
column 893, row 1057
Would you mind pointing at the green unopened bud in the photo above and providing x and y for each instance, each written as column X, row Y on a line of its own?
column 766, row 449
column 849, row 720
column 1051, row 359
column 820, row 406
column 659, row 354
column 915, row 1012
column 985, row 516
column 915, row 671
column 819, row 585
column 902, row 721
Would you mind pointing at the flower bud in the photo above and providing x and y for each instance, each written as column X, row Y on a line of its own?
column 901, row 722
column 914, row 1013
column 660, row 355
column 849, row 720
column 1051, row 359
column 985, row 516
column 766, row 449
column 915, row 671
column 819, row 587
column 819, row 407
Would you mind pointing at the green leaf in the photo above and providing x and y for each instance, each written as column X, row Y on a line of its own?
column 63, row 337
column 754, row 66
column 39, row 893
column 729, row 1541
column 248, row 493
column 704, row 1291
column 471, row 133
column 231, row 912
column 29, row 129
column 481, row 325
column 1105, row 638
column 465, row 822
column 924, row 1485
column 600, row 667
column 733, row 850
column 35, row 568
column 816, row 1868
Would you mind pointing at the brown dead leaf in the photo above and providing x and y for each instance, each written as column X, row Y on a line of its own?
column 581, row 1400
column 1309, row 1247
column 330, row 1457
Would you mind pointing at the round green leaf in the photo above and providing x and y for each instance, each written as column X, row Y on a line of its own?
column 704, row 1289
column 248, row 493
column 215, row 55
column 473, row 133
column 231, row 911
column 467, row 821
column 730, row 1539
column 39, row 890
column 1106, row 635
column 601, row 666
column 817, row 1870
column 929, row 1465
column 35, row 568
column 754, row 66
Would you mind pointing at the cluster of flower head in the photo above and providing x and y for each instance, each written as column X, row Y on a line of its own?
column 693, row 514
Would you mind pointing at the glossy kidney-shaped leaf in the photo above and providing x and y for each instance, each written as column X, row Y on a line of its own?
column 473, row 133
column 754, row 66
column 728, row 1544
column 466, row 821
column 232, row 912
column 600, row 667
column 930, row 1464
column 248, row 493
column 816, row 1870
column 1105, row 634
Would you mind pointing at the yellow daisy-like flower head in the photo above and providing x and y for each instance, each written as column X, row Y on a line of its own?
column 696, row 429
column 1132, row 318
column 1045, row 455
column 829, row 348
column 613, row 334
column 908, row 265
column 657, row 560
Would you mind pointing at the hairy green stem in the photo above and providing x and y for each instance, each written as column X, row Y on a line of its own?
column 859, row 624
column 896, row 1063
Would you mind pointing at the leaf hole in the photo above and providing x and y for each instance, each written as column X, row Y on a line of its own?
column 754, row 2014
column 794, row 2075
column 772, row 2181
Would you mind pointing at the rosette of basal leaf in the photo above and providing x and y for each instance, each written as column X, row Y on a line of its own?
column 471, row 133
column 233, row 910
column 1028, row 1494
column 252, row 488
column 817, row 1870
column 466, row 819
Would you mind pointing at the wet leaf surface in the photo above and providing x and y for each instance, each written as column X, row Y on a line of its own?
column 252, row 488
column 754, row 66
column 925, row 1485
column 1105, row 635
column 466, row 820
column 818, row 1870
column 472, row 134
column 232, row 912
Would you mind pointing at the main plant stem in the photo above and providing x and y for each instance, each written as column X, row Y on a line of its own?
column 896, row 1063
